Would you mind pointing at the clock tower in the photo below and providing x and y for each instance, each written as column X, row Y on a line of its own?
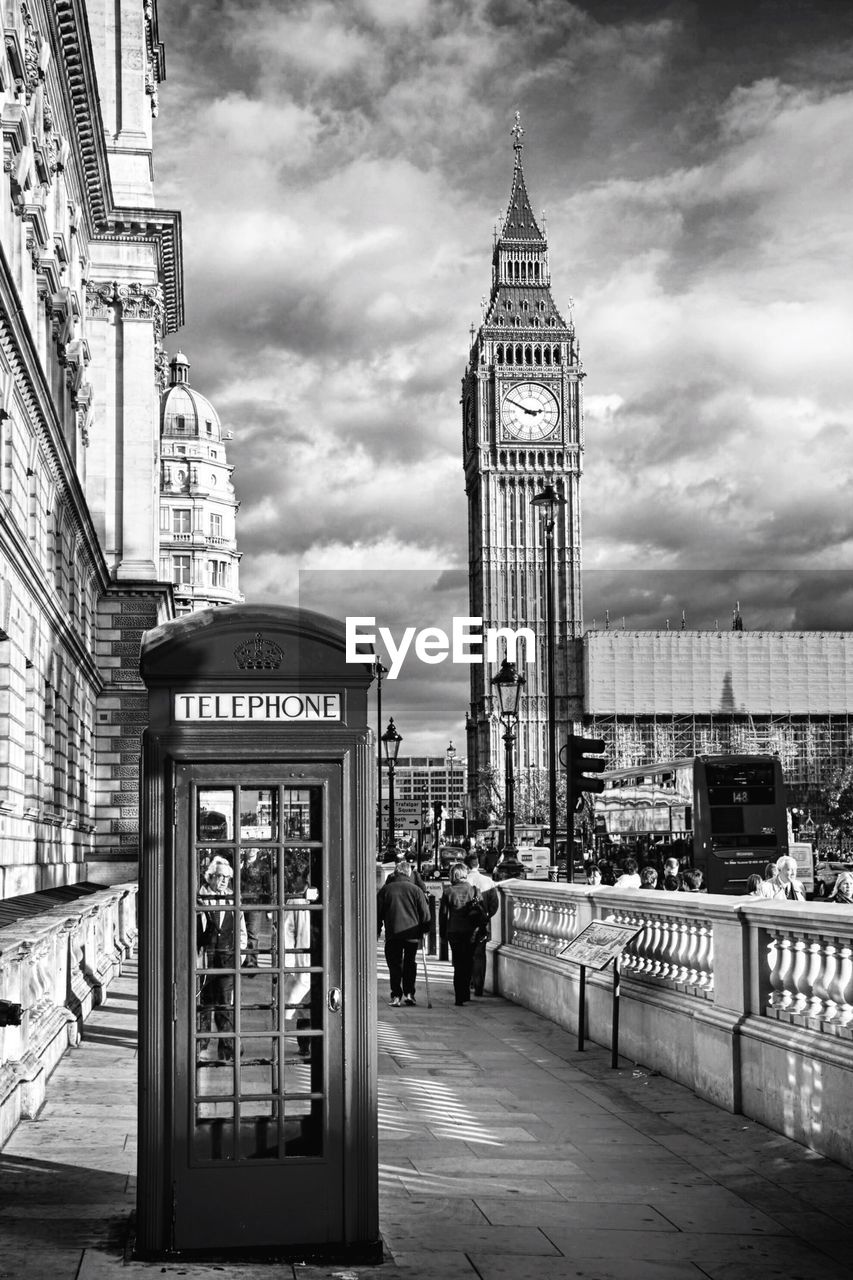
column 523, row 430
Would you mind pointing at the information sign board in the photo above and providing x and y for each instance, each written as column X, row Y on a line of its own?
column 599, row 943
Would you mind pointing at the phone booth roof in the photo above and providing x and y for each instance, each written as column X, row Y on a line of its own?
column 237, row 640
column 246, row 648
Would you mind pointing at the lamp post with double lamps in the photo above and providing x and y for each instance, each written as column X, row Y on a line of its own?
column 548, row 501
column 508, row 684
column 391, row 740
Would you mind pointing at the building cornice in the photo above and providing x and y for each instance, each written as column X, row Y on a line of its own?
column 156, row 50
column 79, row 84
column 162, row 228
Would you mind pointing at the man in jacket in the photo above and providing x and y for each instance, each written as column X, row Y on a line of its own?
column 786, row 884
column 403, row 911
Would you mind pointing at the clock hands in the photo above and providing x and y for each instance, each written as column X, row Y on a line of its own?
column 533, row 412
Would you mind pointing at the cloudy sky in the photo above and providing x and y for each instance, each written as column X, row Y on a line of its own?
column 340, row 165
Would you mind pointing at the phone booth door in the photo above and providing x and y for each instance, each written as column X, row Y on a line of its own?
column 258, row 1094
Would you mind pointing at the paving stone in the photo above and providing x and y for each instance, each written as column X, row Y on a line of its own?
column 608, row 1215
column 494, row 1267
column 501, row 1150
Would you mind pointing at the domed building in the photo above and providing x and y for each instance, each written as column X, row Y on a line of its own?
column 198, row 506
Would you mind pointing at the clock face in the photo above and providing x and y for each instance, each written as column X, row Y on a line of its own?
column 529, row 411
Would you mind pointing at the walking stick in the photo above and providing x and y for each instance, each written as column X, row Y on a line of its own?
column 426, row 977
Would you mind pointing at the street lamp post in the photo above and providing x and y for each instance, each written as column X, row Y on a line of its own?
column 451, row 756
column 549, row 500
column 391, row 740
column 508, row 684
column 379, row 671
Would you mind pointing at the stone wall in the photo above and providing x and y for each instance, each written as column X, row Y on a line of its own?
column 58, row 966
column 747, row 1002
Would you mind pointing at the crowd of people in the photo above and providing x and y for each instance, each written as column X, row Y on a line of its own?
column 465, row 910
column 470, row 899
column 630, row 875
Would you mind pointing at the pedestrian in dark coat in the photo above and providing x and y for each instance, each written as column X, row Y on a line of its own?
column 403, row 911
column 456, row 924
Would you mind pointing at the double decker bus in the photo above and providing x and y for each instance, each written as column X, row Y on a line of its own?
column 726, row 815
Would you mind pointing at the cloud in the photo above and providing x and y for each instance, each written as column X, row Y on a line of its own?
column 340, row 164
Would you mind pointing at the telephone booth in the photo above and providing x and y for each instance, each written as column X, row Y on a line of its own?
column 257, row 1069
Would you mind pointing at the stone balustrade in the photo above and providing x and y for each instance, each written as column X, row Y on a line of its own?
column 58, row 966
column 747, row 1002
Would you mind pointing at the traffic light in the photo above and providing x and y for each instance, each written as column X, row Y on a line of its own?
column 582, row 756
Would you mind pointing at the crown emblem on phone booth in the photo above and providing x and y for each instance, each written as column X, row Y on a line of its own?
column 259, row 655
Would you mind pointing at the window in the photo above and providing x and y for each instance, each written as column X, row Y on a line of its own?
column 213, row 454
column 218, row 570
column 209, row 426
column 165, row 520
column 181, row 570
column 181, row 520
column 180, row 423
column 215, row 526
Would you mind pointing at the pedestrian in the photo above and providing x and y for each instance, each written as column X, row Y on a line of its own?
column 843, row 890
column 485, row 886
column 415, row 874
column 648, row 877
column 672, row 875
column 755, row 886
column 458, row 920
column 296, row 947
column 770, row 880
column 691, row 880
column 255, row 887
column 403, row 911
column 217, row 939
column 786, row 885
column 629, row 878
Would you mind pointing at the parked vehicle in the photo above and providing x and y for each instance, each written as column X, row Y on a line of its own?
column 826, row 873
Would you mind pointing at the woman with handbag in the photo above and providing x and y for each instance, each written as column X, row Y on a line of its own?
column 460, row 915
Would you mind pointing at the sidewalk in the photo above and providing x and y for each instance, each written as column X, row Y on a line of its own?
column 504, row 1155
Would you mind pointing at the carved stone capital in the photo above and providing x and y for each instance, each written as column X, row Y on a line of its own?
column 141, row 302
column 100, row 299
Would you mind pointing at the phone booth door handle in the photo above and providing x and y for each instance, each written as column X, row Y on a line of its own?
column 335, row 1000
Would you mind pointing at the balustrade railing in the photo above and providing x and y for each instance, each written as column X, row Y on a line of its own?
column 802, row 952
column 810, row 978
column 57, row 966
column 540, row 924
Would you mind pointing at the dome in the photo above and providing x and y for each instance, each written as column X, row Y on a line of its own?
column 186, row 413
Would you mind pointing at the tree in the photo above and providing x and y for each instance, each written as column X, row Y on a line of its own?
column 839, row 802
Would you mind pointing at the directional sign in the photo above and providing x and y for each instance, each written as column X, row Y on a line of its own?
column 403, row 809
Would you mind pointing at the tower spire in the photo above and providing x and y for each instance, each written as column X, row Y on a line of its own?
column 517, row 133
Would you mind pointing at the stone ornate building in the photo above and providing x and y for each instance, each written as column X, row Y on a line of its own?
column 90, row 283
column 198, row 506
column 522, row 429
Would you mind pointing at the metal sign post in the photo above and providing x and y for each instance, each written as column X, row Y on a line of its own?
column 598, row 945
